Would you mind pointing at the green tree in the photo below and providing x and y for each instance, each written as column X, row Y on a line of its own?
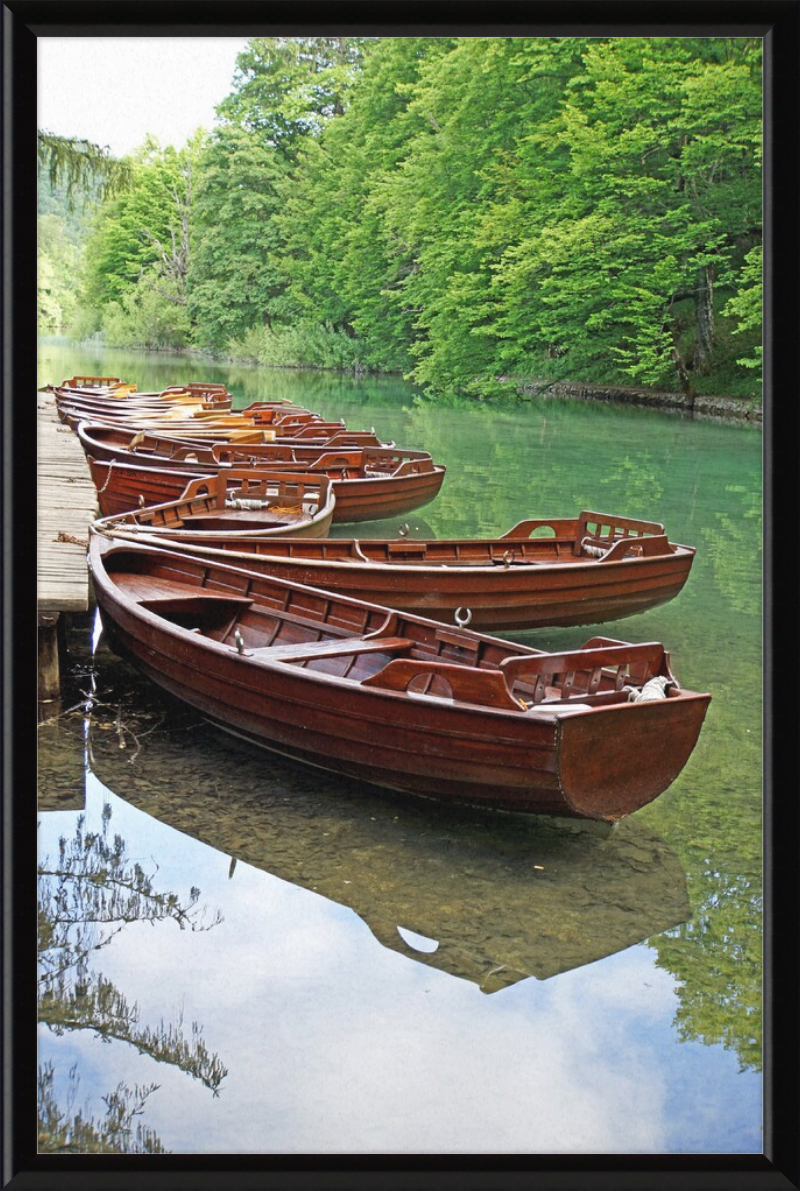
column 747, row 305
column 342, row 264
column 80, row 166
column 235, row 280
column 58, row 262
column 137, row 256
column 463, row 209
column 643, row 189
column 146, row 316
column 73, row 177
column 286, row 88
column 284, row 91
column 476, row 105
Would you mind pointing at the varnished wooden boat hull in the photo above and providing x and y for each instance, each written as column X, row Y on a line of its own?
column 546, row 571
column 544, row 594
column 246, row 508
column 365, row 499
column 188, row 420
column 602, row 763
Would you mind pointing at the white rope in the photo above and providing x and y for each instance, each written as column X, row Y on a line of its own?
column 241, row 502
column 656, row 688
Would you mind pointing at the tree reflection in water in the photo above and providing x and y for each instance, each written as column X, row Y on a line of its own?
column 87, row 895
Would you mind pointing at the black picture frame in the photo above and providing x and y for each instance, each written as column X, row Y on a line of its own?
column 778, row 21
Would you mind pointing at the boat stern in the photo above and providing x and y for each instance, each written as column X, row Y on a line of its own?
column 614, row 760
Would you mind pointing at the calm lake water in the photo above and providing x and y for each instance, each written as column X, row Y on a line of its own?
column 363, row 974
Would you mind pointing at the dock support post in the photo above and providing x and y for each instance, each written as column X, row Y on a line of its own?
column 51, row 649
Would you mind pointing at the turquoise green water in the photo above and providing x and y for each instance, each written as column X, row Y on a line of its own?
column 394, row 979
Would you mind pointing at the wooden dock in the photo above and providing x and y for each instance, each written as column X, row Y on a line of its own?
column 67, row 502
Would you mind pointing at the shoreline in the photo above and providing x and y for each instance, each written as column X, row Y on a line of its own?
column 729, row 409
column 739, row 411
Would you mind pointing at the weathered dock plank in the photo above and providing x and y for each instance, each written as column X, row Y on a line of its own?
column 66, row 503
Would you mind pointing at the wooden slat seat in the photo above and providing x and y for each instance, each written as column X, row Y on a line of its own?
column 152, row 588
column 310, row 650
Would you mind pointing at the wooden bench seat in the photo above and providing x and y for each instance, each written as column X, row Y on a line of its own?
column 149, row 588
column 310, row 650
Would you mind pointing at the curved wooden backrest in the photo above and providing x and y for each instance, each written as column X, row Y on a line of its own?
column 468, row 684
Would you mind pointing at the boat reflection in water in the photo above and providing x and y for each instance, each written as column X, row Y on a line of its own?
column 490, row 898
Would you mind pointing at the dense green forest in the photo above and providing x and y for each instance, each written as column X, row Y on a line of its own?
column 471, row 212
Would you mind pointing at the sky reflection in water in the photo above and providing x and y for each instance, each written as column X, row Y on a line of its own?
column 335, row 1044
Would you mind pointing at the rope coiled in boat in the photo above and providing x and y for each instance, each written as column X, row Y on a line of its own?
column 654, row 688
column 241, row 502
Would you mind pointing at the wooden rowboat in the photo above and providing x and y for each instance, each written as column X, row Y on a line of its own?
column 369, row 483
column 73, row 414
column 396, row 700
column 241, row 504
column 196, row 428
column 192, row 417
column 122, row 399
column 163, row 403
column 112, row 390
column 205, row 450
column 290, row 430
column 114, row 385
column 163, row 437
column 587, row 570
column 93, row 384
column 106, row 399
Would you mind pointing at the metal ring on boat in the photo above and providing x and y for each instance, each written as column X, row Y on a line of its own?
column 403, row 530
column 508, row 558
column 462, row 617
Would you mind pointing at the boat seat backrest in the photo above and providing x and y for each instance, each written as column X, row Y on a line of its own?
column 465, row 684
column 599, row 531
column 412, row 467
column 584, row 670
column 559, row 529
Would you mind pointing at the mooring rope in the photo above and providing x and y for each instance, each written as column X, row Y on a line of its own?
column 100, row 491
